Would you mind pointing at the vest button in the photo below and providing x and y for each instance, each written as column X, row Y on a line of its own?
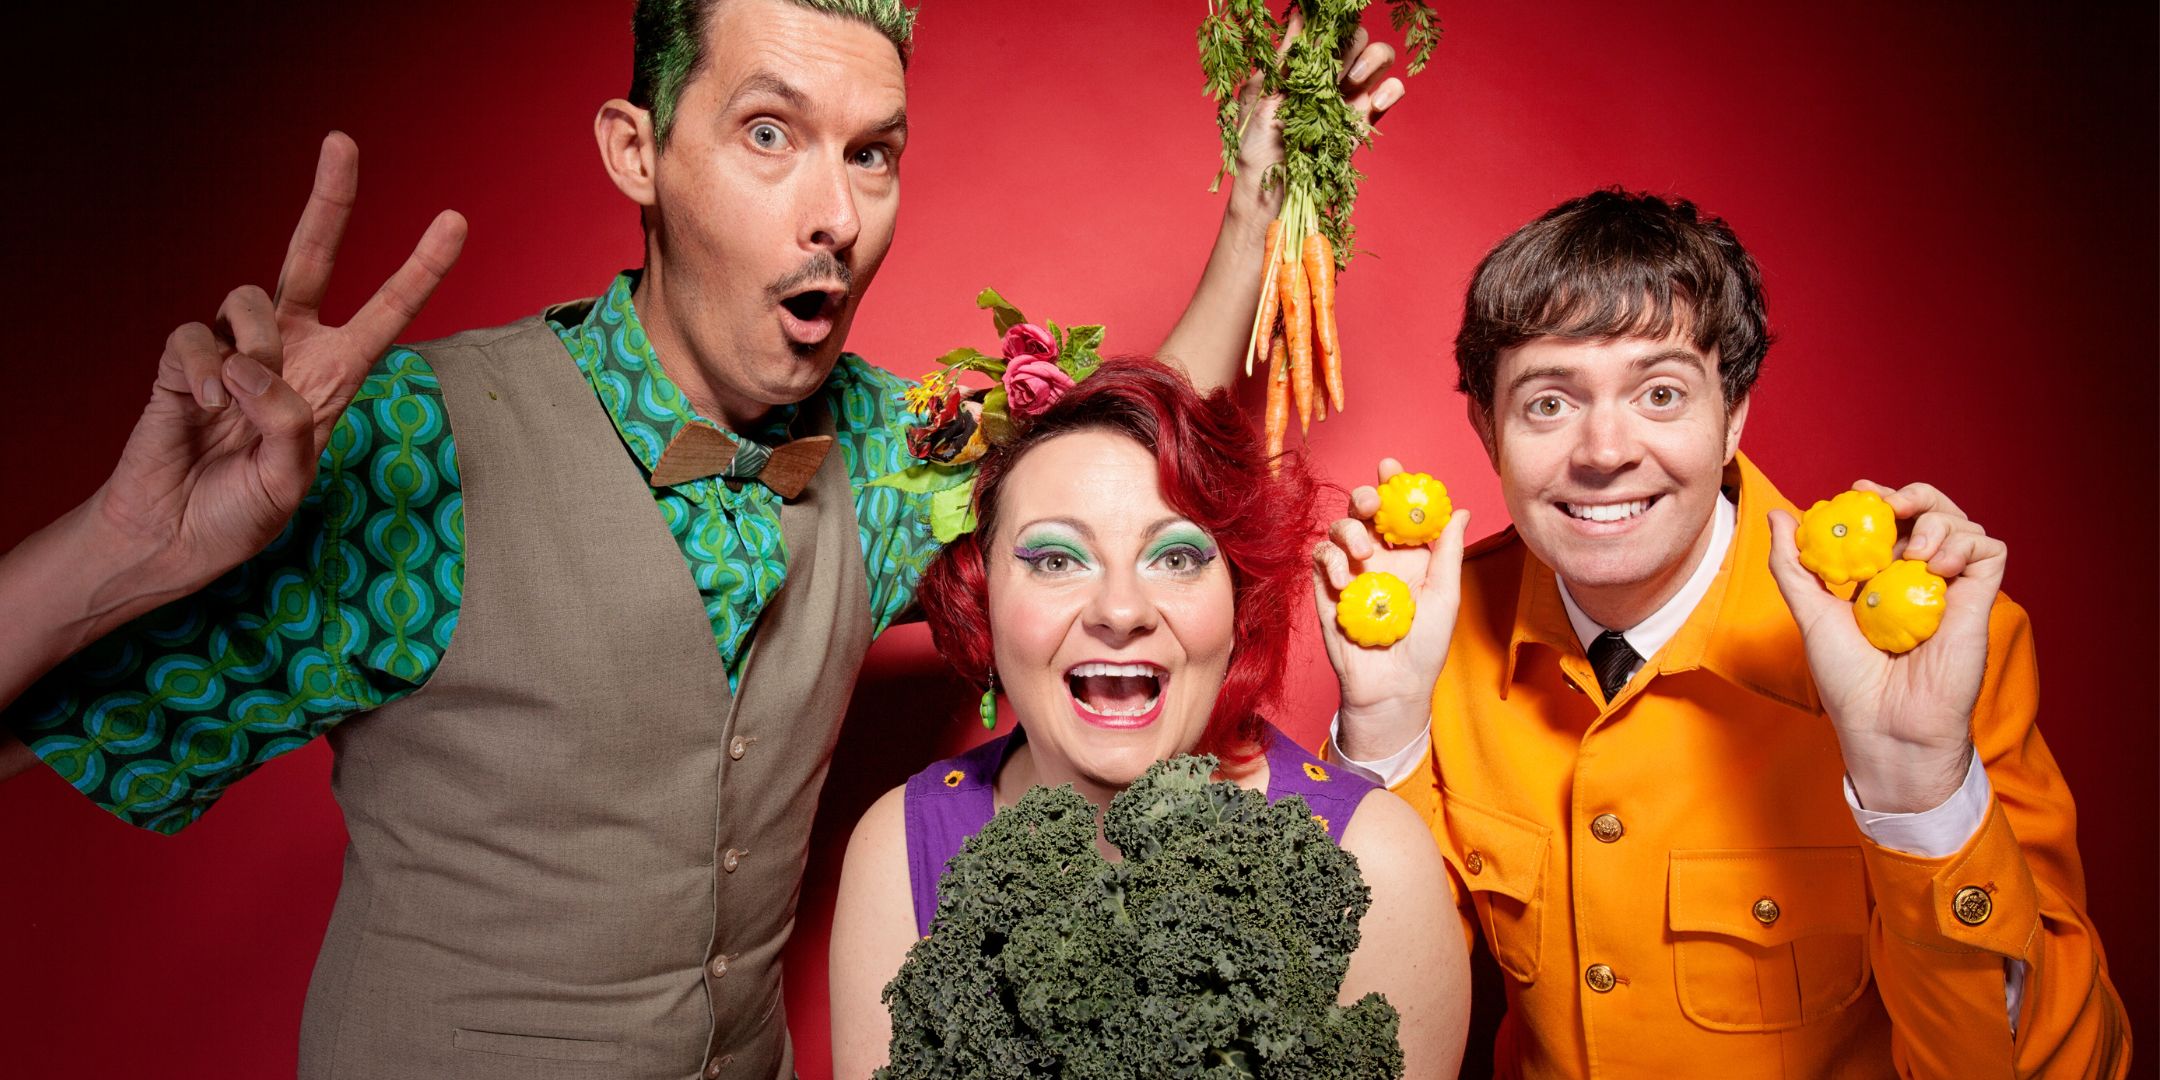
column 1607, row 828
column 718, row 967
column 737, row 747
column 731, row 859
column 1474, row 861
column 1599, row 977
column 713, row 1067
column 1766, row 911
column 1972, row 905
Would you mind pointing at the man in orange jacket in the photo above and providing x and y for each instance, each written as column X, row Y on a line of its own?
column 1682, row 869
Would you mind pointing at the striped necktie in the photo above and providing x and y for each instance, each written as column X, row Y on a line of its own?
column 1614, row 660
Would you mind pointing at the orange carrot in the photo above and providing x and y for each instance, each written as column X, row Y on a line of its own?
column 1278, row 397
column 1320, row 268
column 1297, row 321
column 1264, row 326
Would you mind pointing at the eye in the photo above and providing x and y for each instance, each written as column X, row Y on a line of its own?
column 1547, row 407
column 768, row 136
column 1663, row 397
column 1050, row 560
column 874, row 157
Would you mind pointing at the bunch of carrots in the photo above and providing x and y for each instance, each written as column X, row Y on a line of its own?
column 1297, row 320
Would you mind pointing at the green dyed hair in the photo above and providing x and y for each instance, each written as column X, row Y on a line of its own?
column 668, row 45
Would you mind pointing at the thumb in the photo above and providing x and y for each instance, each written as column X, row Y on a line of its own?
column 285, row 458
column 1443, row 577
column 1804, row 593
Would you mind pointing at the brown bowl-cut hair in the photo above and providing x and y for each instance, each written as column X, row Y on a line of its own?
column 1612, row 264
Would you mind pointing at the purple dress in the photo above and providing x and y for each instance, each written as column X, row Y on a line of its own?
column 947, row 802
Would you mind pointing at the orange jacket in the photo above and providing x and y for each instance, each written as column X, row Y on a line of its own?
column 1617, row 856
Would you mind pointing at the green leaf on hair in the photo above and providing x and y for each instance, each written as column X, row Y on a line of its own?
column 1002, row 313
column 997, row 422
column 952, row 512
column 925, row 477
column 966, row 359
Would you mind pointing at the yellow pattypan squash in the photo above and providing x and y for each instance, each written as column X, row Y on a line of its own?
column 1900, row 607
column 1414, row 507
column 1847, row 538
column 1375, row 609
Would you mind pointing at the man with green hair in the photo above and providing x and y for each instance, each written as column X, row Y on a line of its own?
column 578, row 785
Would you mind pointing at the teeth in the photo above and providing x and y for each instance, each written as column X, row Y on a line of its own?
column 1081, row 671
column 1608, row 512
column 1137, row 710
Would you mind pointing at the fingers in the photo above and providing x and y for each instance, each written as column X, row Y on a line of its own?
column 285, row 456
column 1912, row 500
column 190, row 366
column 312, row 253
column 1389, row 469
column 1331, row 567
column 1352, row 536
column 398, row 302
column 1387, row 96
column 1293, row 28
column 247, row 322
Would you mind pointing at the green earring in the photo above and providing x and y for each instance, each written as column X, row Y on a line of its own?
column 988, row 709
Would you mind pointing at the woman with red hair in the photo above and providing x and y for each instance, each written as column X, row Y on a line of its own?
column 1130, row 586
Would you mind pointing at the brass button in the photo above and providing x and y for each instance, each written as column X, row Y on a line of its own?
column 718, row 967
column 737, row 747
column 1474, row 862
column 731, row 859
column 1573, row 685
column 1599, row 977
column 1972, row 905
column 1766, row 911
column 1607, row 828
column 713, row 1067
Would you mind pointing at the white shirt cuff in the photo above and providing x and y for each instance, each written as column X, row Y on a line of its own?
column 1930, row 834
column 1388, row 771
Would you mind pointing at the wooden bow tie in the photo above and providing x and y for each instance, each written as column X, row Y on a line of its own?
column 698, row 451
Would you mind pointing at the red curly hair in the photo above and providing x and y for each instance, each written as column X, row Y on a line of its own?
column 1213, row 470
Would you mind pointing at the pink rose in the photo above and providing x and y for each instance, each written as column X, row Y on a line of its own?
column 1028, row 339
column 1033, row 383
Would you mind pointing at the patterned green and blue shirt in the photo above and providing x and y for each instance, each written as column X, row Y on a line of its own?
column 353, row 605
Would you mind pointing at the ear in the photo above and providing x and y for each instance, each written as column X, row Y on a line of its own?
column 628, row 150
column 1481, row 421
column 1734, row 421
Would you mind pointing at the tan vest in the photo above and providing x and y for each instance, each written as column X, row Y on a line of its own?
column 573, row 853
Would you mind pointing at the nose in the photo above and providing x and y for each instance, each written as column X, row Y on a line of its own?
column 831, row 221
column 1605, row 443
column 1120, row 608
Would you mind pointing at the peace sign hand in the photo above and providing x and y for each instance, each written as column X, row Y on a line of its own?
column 240, row 410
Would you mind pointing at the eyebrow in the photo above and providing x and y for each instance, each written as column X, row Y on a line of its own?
column 1641, row 363
column 1081, row 527
column 767, row 83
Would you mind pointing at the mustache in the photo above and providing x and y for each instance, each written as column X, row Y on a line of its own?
column 821, row 268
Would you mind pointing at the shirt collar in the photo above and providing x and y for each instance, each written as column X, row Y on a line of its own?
column 646, row 406
column 1739, row 629
column 1657, row 628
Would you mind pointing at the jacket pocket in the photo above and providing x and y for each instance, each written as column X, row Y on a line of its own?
column 535, row 1046
column 1769, row 939
column 1501, row 859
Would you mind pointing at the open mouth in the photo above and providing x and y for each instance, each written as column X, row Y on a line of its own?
column 809, row 315
column 1117, row 695
column 1609, row 513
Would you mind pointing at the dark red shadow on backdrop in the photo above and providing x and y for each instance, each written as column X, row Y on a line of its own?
column 1955, row 207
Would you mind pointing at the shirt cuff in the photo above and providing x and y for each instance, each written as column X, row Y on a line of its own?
column 1930, row 834
column 1388, row 771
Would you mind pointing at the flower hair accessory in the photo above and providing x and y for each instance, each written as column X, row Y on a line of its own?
column 1035, row 366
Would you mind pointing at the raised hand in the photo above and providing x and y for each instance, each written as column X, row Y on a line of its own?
column 240, row 410
column 1904, row 722
column 1366, row 85
column 1387, row 692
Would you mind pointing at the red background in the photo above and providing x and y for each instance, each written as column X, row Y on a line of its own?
column 1954, row 205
